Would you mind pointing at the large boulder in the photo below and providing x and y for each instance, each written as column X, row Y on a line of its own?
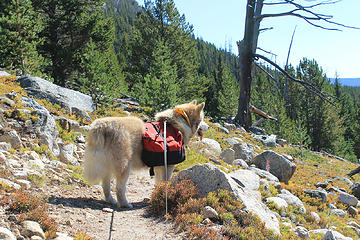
column 45, row 127
column 277, row 164
column 67, row 98
column 209, row 178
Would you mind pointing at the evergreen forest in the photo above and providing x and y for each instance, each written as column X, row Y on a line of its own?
column 108, row 49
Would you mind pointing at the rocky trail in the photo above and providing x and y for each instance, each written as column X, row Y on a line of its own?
column 82, row 208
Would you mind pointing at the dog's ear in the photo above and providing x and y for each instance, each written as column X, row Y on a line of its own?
column 200, row 107
column 193, row 102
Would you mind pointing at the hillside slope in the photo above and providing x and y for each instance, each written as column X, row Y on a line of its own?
column 46, row 185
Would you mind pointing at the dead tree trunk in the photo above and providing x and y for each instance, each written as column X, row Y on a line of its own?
column 247, row 48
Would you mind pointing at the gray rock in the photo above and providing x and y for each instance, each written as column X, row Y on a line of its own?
column 228, row 156
column 62, row 236
column 264, row 174
column 81, row 114
column 317, row 194
column 244, row 151
column 67, row 98
column 45, row 128
column 281, row 141
column 346, row 180
column 334, row 235
column 315, row 216
column 348, row 199
column 240, row 162
column 6, row 234
column 268, row 141
column 352, row 211
column 278, row 165
column 338, row 212
column 221, row 128
column 212, row 146
column 230, row 126
column 246, row 178
column 279, row 202
column 4, row 146
column 231, row 141
column 6, row 182
column 322, row 185
column 292, row 200
column 4, row 74
column 67, row 154
column 11, row 137
column 209, row 212
column 302, row 232
column 24, row 183
column 68, row 124
column 31, row 228
column 355, row 190
column 257, row 131
column 209, row 178
column 319, row 231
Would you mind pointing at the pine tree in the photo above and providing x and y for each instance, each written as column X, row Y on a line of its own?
column 161, row 22
column 19, row 27
column 68, row 27
column 102, row 76
column 228, row 91
column 159, row 89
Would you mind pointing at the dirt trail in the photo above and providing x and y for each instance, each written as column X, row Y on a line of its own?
column 82, row 208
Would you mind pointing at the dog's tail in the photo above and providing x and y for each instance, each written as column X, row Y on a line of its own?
column 95, row 157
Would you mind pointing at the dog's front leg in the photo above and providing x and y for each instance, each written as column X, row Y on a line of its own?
column 160, row 173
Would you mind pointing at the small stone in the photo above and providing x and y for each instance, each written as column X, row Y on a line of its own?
column 315, row 216
column 302, row 232
column 209, row 212
column 338, row 212
column 31, row 228
column 206, row 221
column 36, row 238
column 108, row 210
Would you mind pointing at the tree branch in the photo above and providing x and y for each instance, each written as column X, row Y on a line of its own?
column 310, row 15
column 307, row 85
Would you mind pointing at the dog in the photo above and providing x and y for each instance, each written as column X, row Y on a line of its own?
column 114, row 147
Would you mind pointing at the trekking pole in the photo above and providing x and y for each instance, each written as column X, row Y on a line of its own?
column 166, row 177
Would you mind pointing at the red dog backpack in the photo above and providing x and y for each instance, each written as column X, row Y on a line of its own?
column 153, row 145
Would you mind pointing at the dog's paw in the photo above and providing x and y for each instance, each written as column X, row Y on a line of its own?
column 125, row 205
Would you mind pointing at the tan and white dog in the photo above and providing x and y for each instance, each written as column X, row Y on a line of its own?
column 114, row 147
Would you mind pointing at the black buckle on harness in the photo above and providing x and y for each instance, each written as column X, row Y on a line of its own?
column 151, row 171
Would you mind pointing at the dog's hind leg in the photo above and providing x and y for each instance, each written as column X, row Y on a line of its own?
column 107, row 190
column 121, row 189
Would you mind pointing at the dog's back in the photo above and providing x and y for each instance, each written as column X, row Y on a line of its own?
column 113, row 145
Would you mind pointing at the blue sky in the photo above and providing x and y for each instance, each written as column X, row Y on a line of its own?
column 220, row 21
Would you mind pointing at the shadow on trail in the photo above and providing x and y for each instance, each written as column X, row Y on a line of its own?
column 95, row 204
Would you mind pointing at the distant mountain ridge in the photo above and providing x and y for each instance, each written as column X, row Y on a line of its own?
column 351, row 82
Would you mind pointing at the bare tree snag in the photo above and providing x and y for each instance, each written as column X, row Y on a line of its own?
column 248, row 45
